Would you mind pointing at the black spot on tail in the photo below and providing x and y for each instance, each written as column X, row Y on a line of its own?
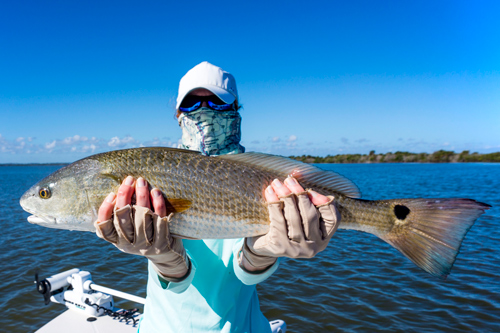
column 401, row 211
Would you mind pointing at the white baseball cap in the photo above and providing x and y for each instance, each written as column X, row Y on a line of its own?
column 210, row 77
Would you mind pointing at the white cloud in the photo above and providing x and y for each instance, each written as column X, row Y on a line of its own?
column 88, row 148
column 121, row 143
column 80, row 146
column 72, row 144
column 50, row 145
column 159, row 142
column 74, row 139
column 276, row 145
column 115, row 141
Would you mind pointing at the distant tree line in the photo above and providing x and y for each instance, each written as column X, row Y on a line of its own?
column 440, row 156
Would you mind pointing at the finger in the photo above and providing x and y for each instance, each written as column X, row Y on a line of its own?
column 161, row 234
column 142, row 193
column 290, row 210
column 278, row 230
column 106, row 209
column 125, row 192
column 143, row 220
column 310, row 218
column 308, row 213
column 159, row 203
column 317, row 199
column 107, row 231
column 280, row 189
column 124, row 224
column 330, row 218
column 293, row 185
column 270, row 194
column 293, row 218
column 104, row 225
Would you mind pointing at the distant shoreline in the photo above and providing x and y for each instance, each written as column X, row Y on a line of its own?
column 440, row 156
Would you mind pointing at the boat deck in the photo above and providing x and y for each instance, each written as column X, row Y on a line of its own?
column 78, row 322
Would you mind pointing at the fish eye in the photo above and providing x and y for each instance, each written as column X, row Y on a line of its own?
column 44, row 193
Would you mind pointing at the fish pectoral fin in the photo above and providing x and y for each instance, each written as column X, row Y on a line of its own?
column 176, row 205
column 184, row 237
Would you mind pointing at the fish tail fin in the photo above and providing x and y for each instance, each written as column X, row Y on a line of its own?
column 430, row 232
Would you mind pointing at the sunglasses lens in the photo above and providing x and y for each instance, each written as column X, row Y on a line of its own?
column 190, row 103
column 193, row 107
column 193, row 103
column 215, row 103
column 220, row 107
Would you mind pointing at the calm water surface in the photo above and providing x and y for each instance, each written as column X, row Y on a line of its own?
column 358, row 284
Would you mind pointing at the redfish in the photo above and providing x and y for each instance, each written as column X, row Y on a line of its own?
column 222, row 197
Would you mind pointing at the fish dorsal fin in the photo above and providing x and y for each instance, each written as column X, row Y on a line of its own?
column 328, row 180
column 180, row 150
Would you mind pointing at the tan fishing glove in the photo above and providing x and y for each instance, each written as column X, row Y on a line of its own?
column 138, row 230
column 298, row 229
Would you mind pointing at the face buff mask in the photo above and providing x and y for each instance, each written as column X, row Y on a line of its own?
column 211, row 132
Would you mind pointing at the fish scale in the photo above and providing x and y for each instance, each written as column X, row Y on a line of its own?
column 222, row 197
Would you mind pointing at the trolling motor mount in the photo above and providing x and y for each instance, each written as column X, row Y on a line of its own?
column 78, row 294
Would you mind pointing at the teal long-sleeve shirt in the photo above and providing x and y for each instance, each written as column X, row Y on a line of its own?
column 217, row 295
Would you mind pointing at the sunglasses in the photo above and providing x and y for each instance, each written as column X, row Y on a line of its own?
column 193, row 103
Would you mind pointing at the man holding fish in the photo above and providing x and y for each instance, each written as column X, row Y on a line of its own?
column 209, row 285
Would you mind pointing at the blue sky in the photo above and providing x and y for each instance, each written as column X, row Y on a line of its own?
column 316, row 77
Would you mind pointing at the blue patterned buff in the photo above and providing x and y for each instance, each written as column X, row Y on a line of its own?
column 211, row 132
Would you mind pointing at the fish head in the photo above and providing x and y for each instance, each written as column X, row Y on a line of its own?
column 68, row 198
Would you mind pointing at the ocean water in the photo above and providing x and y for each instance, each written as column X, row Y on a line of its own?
column 358, row 284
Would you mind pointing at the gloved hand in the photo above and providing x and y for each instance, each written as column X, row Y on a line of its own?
column 302, row 223
column 137, row 230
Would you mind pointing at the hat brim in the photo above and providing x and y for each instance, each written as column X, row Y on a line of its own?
column 223, row 94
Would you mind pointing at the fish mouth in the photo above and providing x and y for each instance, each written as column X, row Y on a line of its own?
column 36, row 219
column 33, row 219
